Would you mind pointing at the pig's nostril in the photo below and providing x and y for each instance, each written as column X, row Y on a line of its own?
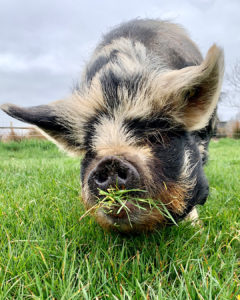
column 101, row 177
column 113, row 171
column 122, row 174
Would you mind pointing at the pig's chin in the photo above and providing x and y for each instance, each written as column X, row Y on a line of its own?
column 119, row 219
column 131, row 219
column 124, row 223
column 134, row 222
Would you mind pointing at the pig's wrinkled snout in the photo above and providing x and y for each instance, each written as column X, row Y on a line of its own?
column 113, row 172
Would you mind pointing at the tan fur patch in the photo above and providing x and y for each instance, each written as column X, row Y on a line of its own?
column 185, row 178
column 174, row 197
column 111, row 133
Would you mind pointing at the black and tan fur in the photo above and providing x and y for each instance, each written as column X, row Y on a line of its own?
column 148, row 97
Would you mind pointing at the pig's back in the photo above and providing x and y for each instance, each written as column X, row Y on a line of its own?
column 164, row 40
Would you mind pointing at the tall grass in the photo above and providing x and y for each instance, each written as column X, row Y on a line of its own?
column 46, row 252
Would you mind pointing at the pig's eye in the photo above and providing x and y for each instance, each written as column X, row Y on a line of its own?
column 156, row 138
column 148, row 127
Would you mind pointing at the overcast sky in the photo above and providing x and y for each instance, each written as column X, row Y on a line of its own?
column 45, row 44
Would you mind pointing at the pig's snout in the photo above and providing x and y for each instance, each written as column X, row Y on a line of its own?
column 112, row 171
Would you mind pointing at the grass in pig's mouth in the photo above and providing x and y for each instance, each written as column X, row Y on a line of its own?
column 117, row 201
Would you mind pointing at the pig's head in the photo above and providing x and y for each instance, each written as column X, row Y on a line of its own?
column 134, row 127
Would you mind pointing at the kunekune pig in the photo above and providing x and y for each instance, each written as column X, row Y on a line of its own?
column 142, row 114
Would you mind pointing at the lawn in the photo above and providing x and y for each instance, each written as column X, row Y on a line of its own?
column 47, row 252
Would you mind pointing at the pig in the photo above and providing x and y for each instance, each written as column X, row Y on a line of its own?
column 142, row 115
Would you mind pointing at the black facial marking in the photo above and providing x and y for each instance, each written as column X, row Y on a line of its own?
column 111, row 84
column 169, row 158
column 152, row 126
column 133, row 84
column 88, row 158
column 90, row 127
column 96, row 66
column 99, row 63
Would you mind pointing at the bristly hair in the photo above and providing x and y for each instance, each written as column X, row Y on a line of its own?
column 140, row 76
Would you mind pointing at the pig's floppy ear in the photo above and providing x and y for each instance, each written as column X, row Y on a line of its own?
column 52, row 121
column 193, row 92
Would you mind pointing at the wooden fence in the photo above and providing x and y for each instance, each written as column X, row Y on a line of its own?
column 18, row 133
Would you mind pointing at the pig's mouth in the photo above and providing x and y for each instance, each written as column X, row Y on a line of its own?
column 120, row 218
column 120, row 211
column 121, row 205
column 131, row 210
column 128, row 210
column 117, row 194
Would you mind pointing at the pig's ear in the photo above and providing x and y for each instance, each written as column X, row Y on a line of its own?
column 52, row 120
column 194, row 91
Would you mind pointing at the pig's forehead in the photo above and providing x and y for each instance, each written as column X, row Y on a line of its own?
column 121, row 76
column 123, row 127
column 124, row 114
column 119, row 96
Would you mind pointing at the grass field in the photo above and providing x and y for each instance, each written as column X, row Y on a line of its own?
column 47, row 253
